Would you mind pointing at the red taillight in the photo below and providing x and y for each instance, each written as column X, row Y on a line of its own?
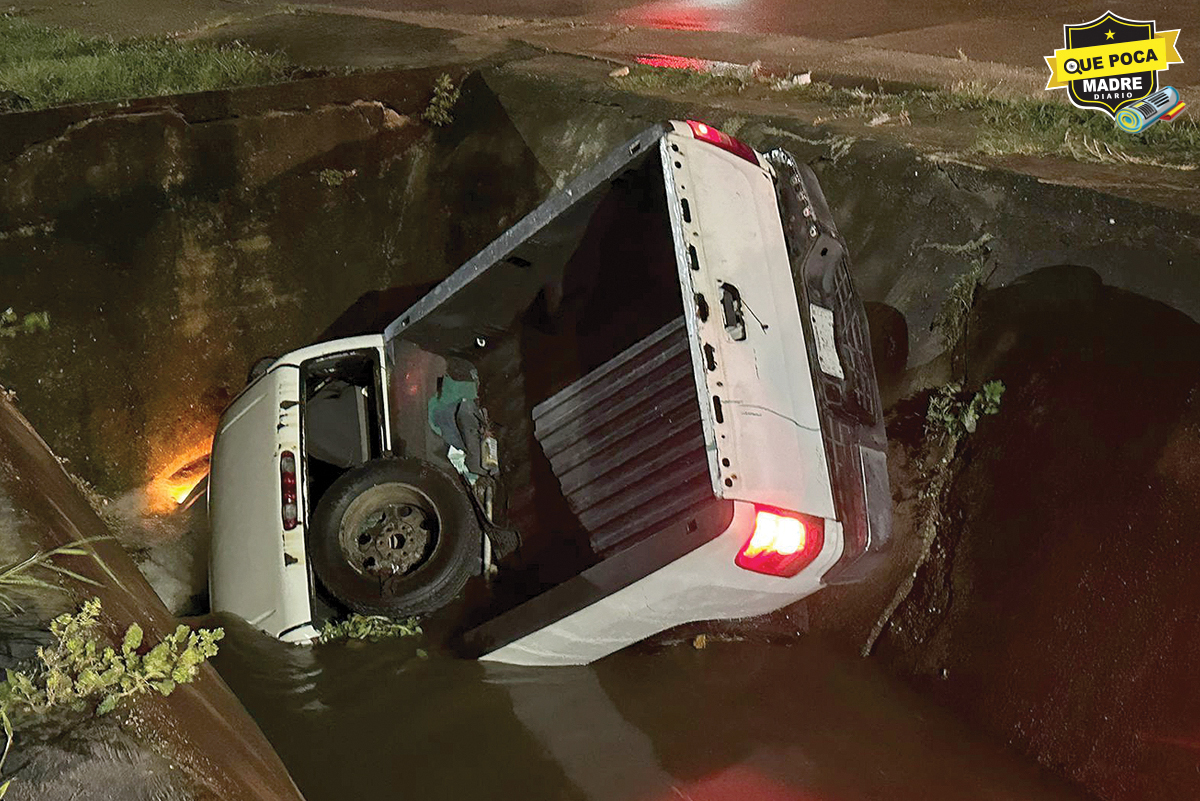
column 287, row 489
column 783, row 543
column 724, row 141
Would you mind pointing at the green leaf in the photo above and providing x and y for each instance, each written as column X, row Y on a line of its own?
column 108, row 704
column 159, row 657
column 87, row 682
column 58, row 684
column 37, row 321
column 166, row 686
column 20, row 682
column 133, row 638
column 111, row 676
column 4, row 788
column 184, row 675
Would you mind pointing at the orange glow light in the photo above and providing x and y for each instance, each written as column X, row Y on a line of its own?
column 175, row 482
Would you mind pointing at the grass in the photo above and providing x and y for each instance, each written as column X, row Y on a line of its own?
column 955, row 313
column 1030, row 126
column 52, row 66
column 38, row 572
column 1002, row 125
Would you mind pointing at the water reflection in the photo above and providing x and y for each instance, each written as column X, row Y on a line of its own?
column 734, row 721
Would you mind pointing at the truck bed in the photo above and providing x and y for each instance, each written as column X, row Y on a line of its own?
column 583, row 368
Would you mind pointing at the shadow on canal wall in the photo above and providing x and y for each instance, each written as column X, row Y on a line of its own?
column 175, row 242
column 1068, row 616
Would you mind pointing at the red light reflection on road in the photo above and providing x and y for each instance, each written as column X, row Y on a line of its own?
column 673, row 62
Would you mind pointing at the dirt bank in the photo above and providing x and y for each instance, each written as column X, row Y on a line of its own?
column 1059, row 609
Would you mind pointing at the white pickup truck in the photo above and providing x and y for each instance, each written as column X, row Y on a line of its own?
column 649, row 402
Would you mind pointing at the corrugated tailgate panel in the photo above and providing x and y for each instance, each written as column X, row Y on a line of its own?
column 626, row 442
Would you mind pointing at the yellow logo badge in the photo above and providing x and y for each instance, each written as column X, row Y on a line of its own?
column 1112, row 63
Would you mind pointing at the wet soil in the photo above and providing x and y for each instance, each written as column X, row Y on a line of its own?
column 1059, row 610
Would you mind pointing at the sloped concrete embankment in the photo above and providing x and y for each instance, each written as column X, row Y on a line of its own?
column 197, row 743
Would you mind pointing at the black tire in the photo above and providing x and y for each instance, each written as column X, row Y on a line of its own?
column 259, row 368
column 344, row 516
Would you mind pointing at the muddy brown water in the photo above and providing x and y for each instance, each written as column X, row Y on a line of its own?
column 736, row 720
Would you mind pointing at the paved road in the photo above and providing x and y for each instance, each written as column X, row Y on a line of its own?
column 1019, row 34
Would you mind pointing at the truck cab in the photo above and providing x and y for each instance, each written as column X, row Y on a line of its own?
column 649, row 402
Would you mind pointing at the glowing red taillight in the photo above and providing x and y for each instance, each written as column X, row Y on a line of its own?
column 724, row 141
column 287, row 489
column 783, row 543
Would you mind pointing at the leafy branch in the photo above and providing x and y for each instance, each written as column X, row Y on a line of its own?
column 369, row 627
column 956, row 413
column 82, row 668
column 440, row 110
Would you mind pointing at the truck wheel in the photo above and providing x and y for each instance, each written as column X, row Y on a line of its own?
column 394, row 537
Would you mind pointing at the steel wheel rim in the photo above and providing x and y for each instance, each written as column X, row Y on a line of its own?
column 389, row 531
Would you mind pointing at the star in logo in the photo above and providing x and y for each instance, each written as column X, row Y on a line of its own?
column 1108, row 34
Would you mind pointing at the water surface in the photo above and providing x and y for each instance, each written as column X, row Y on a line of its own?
column 731, row 721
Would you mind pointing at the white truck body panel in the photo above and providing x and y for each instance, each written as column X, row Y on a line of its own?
column 763, row 382
column 702, row 585
column 258, row 569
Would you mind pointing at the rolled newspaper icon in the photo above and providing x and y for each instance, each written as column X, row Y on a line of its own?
column 1144, row 113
